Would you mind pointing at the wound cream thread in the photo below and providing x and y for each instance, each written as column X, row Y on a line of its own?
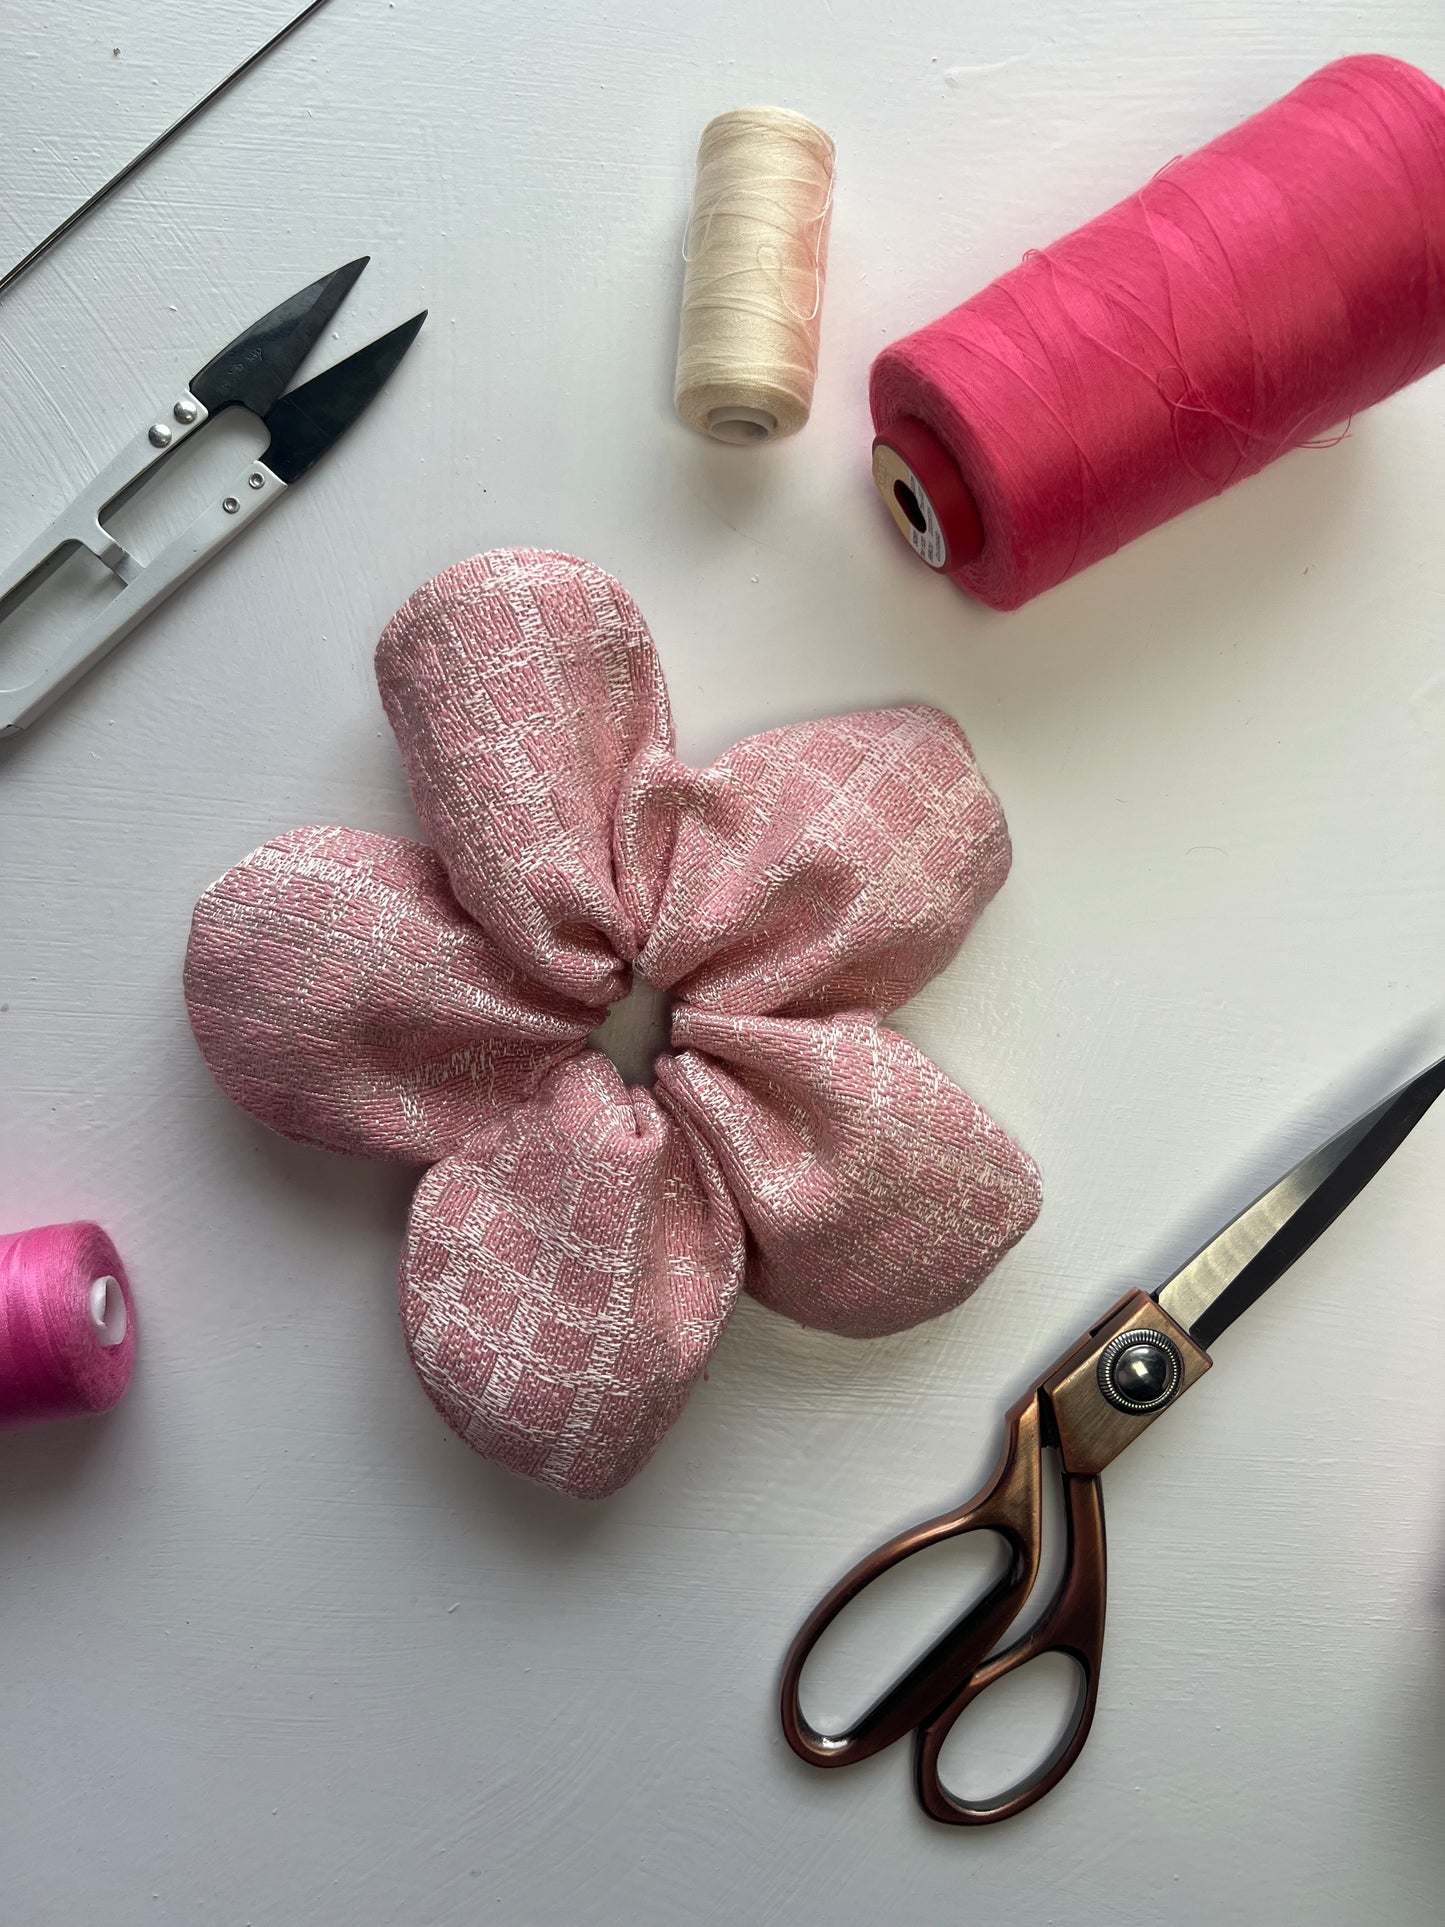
column 756, row 253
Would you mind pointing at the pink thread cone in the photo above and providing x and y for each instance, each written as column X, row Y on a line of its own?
column 1250, row 299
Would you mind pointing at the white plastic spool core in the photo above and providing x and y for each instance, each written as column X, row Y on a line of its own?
column 738, row 425
column 107, row 1308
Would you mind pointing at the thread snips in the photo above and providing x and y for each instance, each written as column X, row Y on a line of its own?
column 251, row 373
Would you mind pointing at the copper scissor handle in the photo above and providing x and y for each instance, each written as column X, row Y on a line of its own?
column 1068, row 1408
column 1073, row 1624
column 935, row 1691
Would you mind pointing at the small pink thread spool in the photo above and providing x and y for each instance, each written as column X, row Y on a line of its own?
column 1251, row 299
column 67, row 1326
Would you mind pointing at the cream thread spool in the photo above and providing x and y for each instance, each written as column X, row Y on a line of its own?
column 757, row 255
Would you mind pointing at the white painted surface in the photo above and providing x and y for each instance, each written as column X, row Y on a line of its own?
column 275, row 1648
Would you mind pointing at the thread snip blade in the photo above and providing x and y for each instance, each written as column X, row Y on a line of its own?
column 305, row 423
column 252, row 371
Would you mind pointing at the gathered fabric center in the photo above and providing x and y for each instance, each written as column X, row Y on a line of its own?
column 636, row 1030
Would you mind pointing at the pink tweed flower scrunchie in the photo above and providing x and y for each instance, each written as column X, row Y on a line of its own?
column 576, row 1246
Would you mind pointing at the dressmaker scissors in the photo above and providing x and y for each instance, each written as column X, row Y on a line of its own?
column 1105, row 1390
column 251, row 373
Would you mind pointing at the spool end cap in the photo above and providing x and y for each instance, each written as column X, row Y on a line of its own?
column 926, row 495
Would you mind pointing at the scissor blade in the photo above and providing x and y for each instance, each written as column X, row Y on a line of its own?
column 1238, row 1266
column 306, row 422
column 255, row 369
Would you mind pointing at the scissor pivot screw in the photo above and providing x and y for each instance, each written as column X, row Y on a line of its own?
column 186, row 412
column 230, row 505
column 160, row 435
column 1140, row 1370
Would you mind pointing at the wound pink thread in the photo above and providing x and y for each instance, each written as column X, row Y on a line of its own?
column 1252, row 298
column 67, row 1325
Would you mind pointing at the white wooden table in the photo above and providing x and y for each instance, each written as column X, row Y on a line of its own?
column 276, row 1649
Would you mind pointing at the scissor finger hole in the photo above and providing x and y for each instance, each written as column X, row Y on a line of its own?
column 1013, row 1730
column 48, row 607
column 893, row 1622
column 1053, row 1550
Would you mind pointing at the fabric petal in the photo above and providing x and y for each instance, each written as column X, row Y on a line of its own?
column 876, row 1193
column 340, row 994
column 520, row 685
column 827, row 866
column 566, row 1279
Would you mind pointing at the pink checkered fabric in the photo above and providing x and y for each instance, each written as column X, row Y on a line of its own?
column 575, row 1246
